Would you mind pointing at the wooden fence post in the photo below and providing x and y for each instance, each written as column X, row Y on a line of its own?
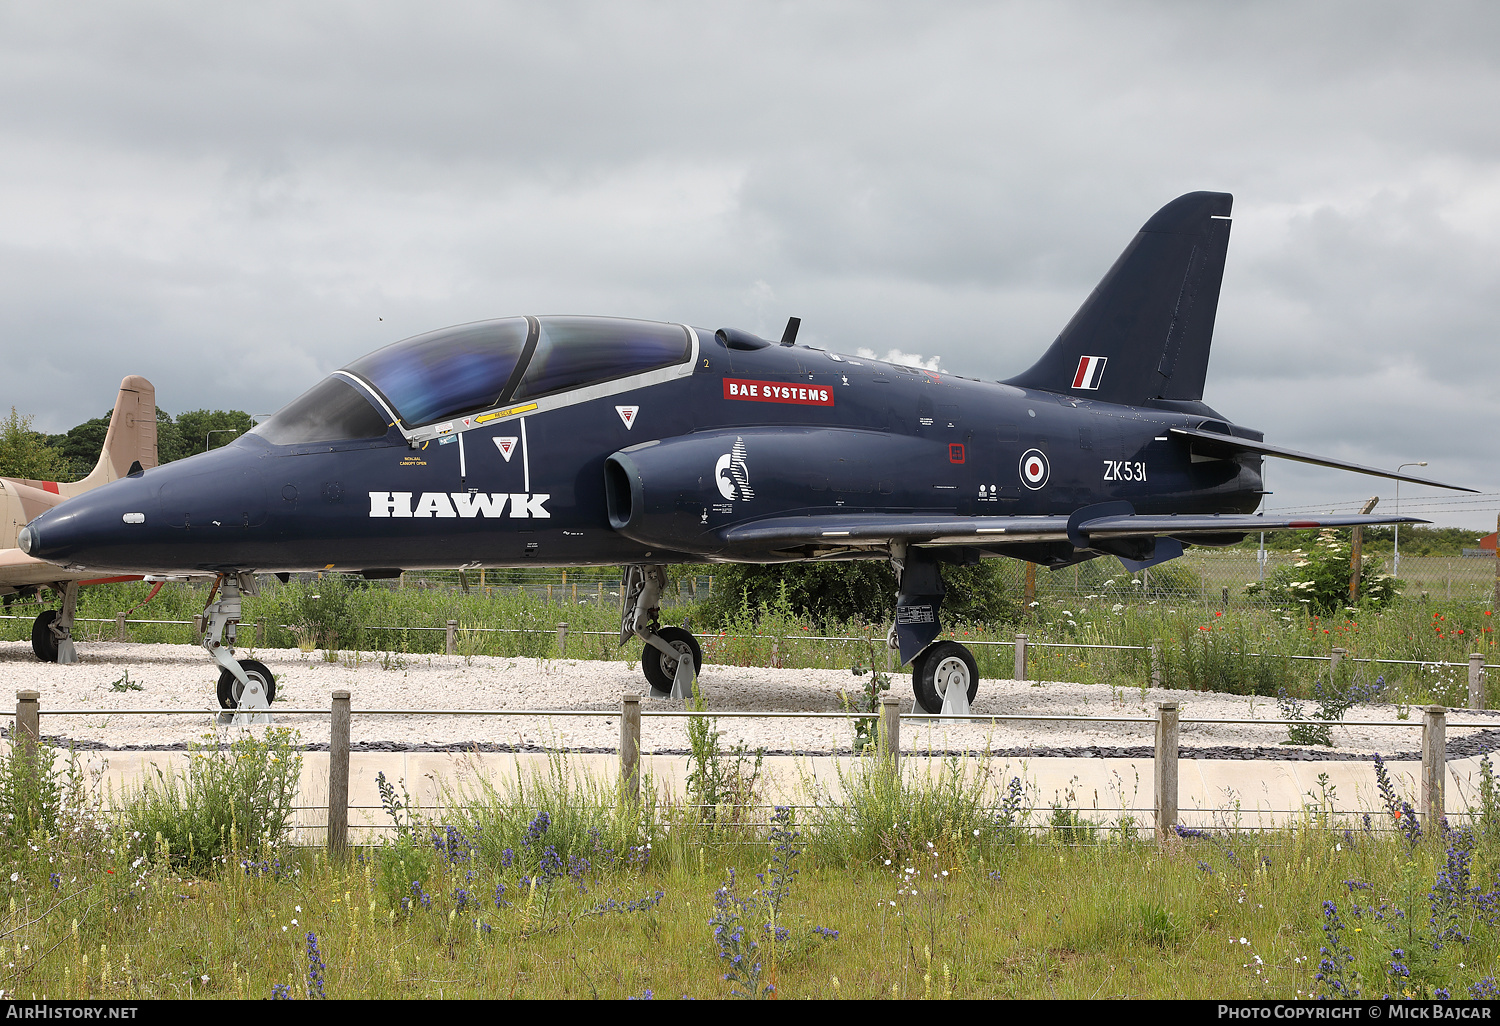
column 197, row 628
column 338, row 777
column 1476, row 680
column 260, row 633
column 1166, row 768
column 28, row 722
column 1156, row 667
column 1333, row 661
column 889, row 734
column 1030, row 586
column 630, row 747
column 1434, row 766
column 119, row 626
column 452, row 639
column 1020, row 657
column 776, row 653
column 562, row 641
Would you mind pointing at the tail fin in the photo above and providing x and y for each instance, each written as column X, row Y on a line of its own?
column 1145, row 331
column 131, row 437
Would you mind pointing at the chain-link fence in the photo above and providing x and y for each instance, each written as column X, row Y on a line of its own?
column 1210, row 578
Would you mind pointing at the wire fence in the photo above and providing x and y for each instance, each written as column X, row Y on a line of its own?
column 1165, row 811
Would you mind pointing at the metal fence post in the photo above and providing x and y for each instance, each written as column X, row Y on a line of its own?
column 452, row 631
column 1020, row 657
column 890, row 734
column 119, row 626
column 338, row 777
column 562, row 641
column 28, row 722
column 1476, row 680
column 1434, row 766
column 1156, row 667
column 630, row 747
column 1166, row 768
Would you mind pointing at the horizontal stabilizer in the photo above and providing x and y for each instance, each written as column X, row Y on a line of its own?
column 1211, row 443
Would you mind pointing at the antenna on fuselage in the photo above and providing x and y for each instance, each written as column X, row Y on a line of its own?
column 789, row 336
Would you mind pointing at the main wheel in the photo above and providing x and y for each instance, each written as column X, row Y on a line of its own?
column 942, row 666
column 230, row 687
column 42, row 641
column 660, row 668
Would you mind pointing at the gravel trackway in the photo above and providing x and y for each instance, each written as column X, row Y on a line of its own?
column 181, row 676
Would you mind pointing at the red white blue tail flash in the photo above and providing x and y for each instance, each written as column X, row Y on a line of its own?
column 1090, row 371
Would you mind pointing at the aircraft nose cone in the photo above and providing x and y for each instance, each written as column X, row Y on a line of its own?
column 23, row 540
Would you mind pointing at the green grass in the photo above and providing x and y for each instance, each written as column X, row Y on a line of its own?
column 1231, row 916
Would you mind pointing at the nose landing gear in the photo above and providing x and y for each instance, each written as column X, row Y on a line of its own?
column 52, row 631
column 245, row 685
column 668, row 672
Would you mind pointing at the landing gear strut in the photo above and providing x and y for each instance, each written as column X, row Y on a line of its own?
column 52, row 631
column 244, row 685
column 663, row 660
column 944, row 675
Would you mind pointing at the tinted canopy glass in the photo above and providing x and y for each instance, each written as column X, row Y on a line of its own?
column 572, row 352
column 331, row 411
column 447, row 372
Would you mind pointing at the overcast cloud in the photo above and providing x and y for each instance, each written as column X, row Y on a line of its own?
column 233, row 201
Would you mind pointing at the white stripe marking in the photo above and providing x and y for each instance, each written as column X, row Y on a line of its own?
column 525, row 456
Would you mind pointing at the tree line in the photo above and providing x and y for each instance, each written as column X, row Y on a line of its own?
column 30, row 454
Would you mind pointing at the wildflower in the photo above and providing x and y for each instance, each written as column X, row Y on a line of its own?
column 315, row 968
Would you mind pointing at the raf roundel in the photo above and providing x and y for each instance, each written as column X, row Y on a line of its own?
column 1034, row 469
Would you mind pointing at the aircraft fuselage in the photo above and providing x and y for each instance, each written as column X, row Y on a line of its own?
column 777, row 430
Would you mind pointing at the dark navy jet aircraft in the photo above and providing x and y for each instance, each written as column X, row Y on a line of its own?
column 569, row 441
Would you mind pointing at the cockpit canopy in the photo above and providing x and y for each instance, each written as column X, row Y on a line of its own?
column 469, row 368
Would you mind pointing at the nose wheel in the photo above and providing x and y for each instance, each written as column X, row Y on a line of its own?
column 944, row 666
column 660, row 668
column 233, row 694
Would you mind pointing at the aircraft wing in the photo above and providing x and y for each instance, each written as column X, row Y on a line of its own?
column 1211, row 443
column 1088, row 525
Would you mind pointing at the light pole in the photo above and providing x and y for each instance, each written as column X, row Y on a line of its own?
column 220, row 431
column 1396, row 559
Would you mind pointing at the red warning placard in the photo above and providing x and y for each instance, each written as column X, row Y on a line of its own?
column 777, row 392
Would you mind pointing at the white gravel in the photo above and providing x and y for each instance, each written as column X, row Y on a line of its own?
column 182, row 677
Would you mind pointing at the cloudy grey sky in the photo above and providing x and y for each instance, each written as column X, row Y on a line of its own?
column 228, row 199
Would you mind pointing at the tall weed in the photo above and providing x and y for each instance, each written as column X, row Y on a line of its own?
column 231, row 798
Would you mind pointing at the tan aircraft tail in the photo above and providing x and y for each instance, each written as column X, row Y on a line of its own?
column 131, row 437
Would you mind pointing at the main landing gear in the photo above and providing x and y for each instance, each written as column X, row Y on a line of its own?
column 944, row 675
column 245, row 685
column 665, row 657
column 52, row 631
